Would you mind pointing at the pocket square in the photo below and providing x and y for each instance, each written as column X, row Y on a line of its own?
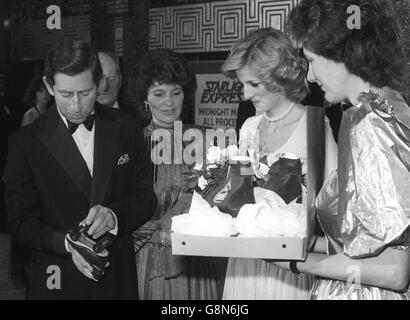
column 123, row 159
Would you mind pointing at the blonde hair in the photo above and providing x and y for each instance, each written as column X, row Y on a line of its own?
column 275, row 60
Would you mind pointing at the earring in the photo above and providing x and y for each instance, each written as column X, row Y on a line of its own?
column 146, row 106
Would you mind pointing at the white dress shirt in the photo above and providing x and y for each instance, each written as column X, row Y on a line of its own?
column 84, row 140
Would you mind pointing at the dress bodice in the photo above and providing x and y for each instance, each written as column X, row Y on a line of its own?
column 171, row 171
column 296, row 143
column 249, row 138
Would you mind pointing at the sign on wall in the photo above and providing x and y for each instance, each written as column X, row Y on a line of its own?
column 217, row 100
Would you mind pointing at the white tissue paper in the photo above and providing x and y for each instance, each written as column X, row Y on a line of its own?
column 270, row 216
column 203, row 220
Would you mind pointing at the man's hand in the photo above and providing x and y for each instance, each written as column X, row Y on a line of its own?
column 101, row 220
column 80, row 263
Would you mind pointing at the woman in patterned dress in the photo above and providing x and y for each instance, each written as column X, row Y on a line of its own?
column 165, row 83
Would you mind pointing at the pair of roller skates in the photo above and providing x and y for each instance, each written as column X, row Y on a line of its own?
column 94, row 252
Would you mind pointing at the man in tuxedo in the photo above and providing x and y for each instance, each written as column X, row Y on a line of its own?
column 79, row 162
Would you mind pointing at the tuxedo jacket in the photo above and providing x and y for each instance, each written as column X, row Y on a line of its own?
column 49, row 190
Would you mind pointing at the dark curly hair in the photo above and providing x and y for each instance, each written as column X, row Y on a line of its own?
column 36, row 85
column 164, row 66
column 374, row 52
column 72, row 58
column 275, row 60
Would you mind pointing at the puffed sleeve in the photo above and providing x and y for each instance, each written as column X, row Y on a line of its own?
column 374, row 178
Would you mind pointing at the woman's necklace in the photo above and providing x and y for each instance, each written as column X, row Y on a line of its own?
column 282, row 116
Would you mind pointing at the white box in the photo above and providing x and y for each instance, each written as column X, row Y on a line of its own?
column 282, row 248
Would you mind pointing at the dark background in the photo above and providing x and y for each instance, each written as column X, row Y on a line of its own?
column 135, row 40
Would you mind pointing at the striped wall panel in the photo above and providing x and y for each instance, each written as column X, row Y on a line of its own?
column 201, row 27
column 215, row 26
column 32, row 39
column 118, row 35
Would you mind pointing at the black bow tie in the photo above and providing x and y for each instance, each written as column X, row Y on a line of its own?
column 88, row 123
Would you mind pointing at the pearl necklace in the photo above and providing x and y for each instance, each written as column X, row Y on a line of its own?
column 274, row 119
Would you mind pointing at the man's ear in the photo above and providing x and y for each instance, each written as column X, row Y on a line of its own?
column 48, row 86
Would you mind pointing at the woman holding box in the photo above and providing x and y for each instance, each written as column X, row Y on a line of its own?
column 274, row 79
column 364, row 210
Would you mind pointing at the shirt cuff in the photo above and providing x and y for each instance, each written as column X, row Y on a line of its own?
column 115, row 230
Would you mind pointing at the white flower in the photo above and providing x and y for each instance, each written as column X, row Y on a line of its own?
column 224, row 154
column 233, row 151
column 214, row 155
column 229, row 152
column 272, row 158
column 260, row 170
column 263, row 168
column 198, row 166
column 253, row 155
column 202, row 183
column 212, row 166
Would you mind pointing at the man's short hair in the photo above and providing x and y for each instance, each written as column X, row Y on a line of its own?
column 114, row 58
column 72, row 58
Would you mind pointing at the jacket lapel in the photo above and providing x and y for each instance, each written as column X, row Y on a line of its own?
column 107, row 135
column 61, row 145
